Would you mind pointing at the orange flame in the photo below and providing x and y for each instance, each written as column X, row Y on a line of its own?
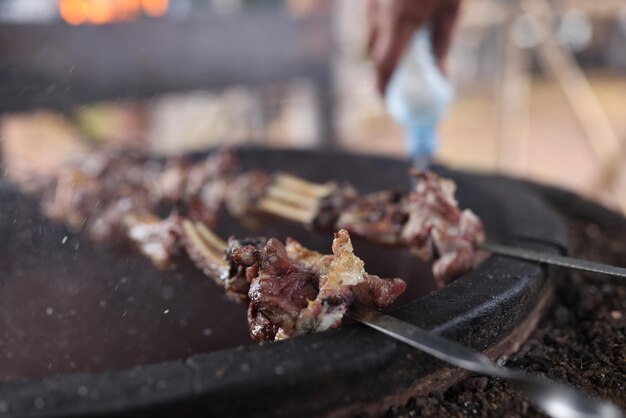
column 98, row 12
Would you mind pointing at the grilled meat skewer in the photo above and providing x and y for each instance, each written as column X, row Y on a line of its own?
column 99, row 193
column 428, row 220
column 291, row 290
column 112, row 191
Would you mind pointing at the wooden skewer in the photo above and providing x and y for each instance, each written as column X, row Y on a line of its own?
column 194, row 236
column 276, row 192
column 292, row 198
column 300, row 186
column 211, row 238
column 286, row 211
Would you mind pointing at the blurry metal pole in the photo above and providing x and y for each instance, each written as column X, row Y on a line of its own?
column 562, row 65
column 513, row 145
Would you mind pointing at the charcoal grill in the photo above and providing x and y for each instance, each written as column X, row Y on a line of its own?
column 124, row 340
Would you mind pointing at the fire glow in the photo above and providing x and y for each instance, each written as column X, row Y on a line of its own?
column 99, row 12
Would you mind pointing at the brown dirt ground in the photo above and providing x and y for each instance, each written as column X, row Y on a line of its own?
column 581, row 340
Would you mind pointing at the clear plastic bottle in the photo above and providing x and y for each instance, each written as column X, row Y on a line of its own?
column 417, row 97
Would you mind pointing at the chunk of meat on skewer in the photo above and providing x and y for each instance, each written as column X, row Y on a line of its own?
column 199, row 188
column 337, row 275
column 205, row 206
column 438, row 229
column 457, row 248
column 216, row 166
column 372, row 291
column 101, row 190
column 243, row 259
column 72, row 198
column 245, row 191
column 91, row 192
column 108, row 226
column 377, row 217
column 378, row 292
column 277, row 294
column 330, row 207
column 171, row 185
column 291, row 290
column 301, row 291
column 155, row 238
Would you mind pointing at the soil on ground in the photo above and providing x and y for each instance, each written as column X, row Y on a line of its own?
column 581, row 340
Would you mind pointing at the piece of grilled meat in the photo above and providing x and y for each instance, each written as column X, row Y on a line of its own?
column 438, row 230
column 297, row 291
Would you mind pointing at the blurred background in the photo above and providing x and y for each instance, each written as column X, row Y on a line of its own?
column 541, row 85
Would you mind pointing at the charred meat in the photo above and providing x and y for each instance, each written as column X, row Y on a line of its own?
column 245, row 191
column 242, row 256
column 102, row 191
column 157, row 239
column 377, row 217
column 289, row 289
column 428, row 220
column 438, row 230
column 298, row 291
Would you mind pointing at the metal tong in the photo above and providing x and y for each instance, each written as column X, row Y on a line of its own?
column 553, row 398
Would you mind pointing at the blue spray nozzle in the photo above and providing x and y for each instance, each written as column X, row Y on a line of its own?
column 421, row 144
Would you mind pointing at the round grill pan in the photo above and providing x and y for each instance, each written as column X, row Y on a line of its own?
column 352, row 370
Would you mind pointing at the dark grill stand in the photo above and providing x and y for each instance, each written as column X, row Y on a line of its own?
column 341, row 372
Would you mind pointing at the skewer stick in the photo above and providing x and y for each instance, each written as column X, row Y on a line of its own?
column 283, row 210
column 293, row 199
column 276, row 192
column 301, row 186
column 193, row 235
column 211, row 238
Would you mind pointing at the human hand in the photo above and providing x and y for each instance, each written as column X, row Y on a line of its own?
column 391, row 23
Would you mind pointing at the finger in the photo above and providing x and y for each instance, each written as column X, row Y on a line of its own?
column 390, row 44
column 372, row 36
column 443, row 27
column 371, row 13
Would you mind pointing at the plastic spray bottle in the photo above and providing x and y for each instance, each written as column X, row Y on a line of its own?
column 417, row 97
